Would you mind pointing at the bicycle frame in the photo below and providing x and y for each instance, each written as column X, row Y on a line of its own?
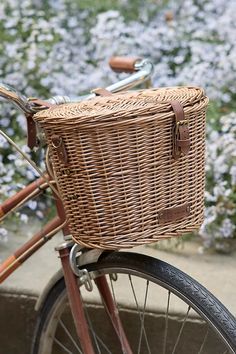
column 59, row 222
column 15, row 260
column 39, row 239
column 142, row 70
column 34, row 189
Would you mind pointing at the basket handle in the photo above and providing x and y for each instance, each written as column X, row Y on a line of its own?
column 181, row 138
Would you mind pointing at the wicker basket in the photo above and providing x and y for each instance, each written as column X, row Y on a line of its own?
column 130, row 167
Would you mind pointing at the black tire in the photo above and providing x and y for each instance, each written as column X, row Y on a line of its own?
column 212, row 322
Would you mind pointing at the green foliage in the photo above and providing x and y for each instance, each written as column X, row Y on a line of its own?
column 63, row 46
column 131, row 10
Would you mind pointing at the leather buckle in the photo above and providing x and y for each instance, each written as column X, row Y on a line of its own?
column 181, row 138
column 59, row 146
column 181, row 122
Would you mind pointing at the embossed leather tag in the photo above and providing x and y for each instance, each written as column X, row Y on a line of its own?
column 174, row 214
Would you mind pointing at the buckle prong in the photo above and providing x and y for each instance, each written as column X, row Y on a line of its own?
column 182, row 122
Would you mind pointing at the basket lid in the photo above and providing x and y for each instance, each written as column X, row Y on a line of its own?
column 120, row 106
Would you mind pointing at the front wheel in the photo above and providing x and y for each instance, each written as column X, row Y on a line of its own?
column 162, row 310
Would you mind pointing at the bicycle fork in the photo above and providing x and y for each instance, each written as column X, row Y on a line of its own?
column 76, row 304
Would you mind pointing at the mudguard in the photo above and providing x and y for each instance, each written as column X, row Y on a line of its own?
column 52, row 282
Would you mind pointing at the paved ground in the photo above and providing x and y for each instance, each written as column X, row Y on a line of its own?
column 20, row 291
column 216, row 272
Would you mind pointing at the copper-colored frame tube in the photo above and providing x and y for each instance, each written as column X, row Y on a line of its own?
column 76, row 303
column 35, row 187
column 40, row 238
column 113, row 313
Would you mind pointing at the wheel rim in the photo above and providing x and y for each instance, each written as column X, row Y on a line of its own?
column 178, row 329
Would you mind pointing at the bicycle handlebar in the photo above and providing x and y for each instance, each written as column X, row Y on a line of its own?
column 124, row 64
column 10, row 94
column 142, row 69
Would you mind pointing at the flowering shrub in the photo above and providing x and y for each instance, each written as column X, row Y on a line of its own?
column 57, row 47
column 220, row 221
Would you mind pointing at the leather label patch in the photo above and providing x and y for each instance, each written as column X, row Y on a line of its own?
column 174, row 214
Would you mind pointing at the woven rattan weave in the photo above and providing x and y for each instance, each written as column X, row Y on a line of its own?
column 122, row 181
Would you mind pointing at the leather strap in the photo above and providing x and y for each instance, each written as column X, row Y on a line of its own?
column 40, row 103
column 31, row 132
column 181, row 138
column 59, row 146
column 101, row 92
column 31, row 125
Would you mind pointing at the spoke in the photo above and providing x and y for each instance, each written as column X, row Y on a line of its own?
column 204, row 341
column 69, row 335
column 114, row 316
column 142, row 321
column 114, row 298
column 181, row 330
column 108, row 312
column 95, row 336
column 139, row 312
column 104, row 345
column 166, row 322
column 63, row 347
column 91, row 329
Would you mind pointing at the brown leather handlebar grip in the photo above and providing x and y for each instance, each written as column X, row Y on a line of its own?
column 123, row 64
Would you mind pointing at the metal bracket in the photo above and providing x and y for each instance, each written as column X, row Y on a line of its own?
column 85, row 279
column 78, row 259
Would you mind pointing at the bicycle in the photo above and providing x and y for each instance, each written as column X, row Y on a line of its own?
column 91, row 278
